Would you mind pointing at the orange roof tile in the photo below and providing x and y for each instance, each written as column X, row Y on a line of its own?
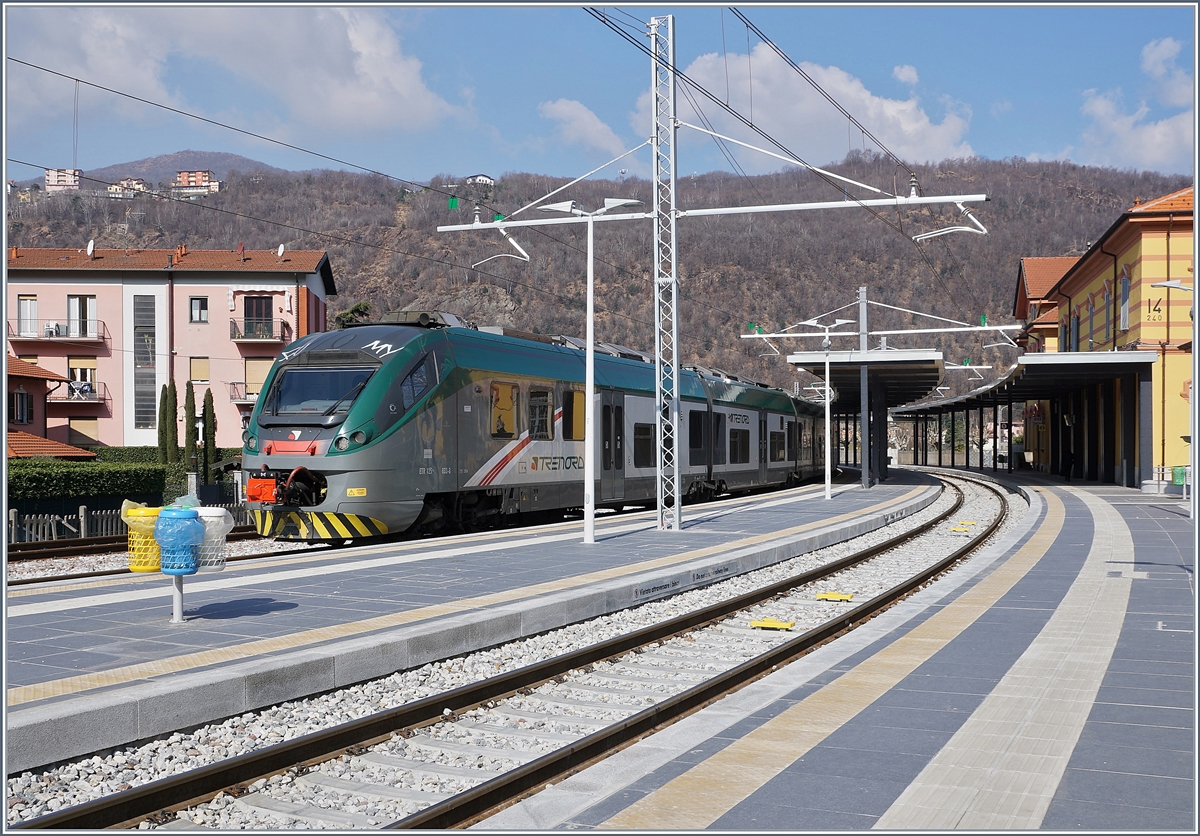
column 19, row 368
column 1049, row 316
column 252, row 261
column 1180, row 201
column 1041, row 274
column 22, row 445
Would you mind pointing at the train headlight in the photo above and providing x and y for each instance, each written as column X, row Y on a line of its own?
column 341, row 443
column 359, row 437
column 251, row 442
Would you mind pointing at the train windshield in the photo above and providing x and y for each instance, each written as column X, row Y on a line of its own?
column 303, row 393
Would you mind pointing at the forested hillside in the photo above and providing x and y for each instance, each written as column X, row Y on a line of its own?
column 771, row 269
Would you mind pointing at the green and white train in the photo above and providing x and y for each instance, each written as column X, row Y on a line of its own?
column 418, row 423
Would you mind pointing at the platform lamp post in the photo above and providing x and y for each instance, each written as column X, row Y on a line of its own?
column 589, row 431
column 1178, row 285
column 825, row 344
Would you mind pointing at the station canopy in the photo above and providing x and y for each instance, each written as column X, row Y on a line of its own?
column 906, row 375
column 1037, row 377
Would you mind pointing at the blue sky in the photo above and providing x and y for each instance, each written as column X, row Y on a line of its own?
column 417, row 91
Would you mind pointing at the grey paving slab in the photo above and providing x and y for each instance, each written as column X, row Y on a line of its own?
column 1147, row 791
column 1145, row 696
column 1093, row 816
column 769, row 807
column 1096, row 754
column 880, row 764
column 1158, row 738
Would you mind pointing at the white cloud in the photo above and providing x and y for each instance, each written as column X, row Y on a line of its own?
column 336, row 70
column 577, row 125
column 1122, row 139
column 905, row 73
column 784, row 105
column 1174, row 88
column 1127, row 140
column 999, row 108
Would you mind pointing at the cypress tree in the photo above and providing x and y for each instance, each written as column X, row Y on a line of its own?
column 189, row 427
column 162, row 426
column 210, row 436
column 172, row 422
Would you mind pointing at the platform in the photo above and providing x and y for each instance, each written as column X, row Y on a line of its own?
column 1046, row 683
column 97, row 664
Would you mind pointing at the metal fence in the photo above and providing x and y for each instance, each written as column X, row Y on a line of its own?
column 30, row 528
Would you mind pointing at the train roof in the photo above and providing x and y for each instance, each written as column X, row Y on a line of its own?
column 557, row 357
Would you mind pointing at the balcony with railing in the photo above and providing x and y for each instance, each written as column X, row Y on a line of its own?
column 259, row 330
column 60, row 331
column 79, row 393
column 238, row 395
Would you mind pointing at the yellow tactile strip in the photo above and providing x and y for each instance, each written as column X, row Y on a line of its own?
column 1001, row 769
column 700, row 796
column 144, row 670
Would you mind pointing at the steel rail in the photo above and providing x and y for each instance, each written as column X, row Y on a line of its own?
column 134, row 805
column 79, row 546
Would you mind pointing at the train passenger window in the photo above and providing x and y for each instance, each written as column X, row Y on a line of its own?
column 504, row 409
column 697, row 418
column 573, row 416
column 739, row 446
column 778, row 446
column 541, row 405
column 643, row 445
column 718, row 437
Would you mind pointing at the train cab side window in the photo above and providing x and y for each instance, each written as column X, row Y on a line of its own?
column 419, row 381
column 643, row 446
column 573, row 416
column 541, row 406
column 504, row 410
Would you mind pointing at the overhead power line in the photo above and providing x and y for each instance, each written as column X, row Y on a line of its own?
column 749, row 124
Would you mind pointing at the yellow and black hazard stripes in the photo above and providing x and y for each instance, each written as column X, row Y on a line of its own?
column 316, row 525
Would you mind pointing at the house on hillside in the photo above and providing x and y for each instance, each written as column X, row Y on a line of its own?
column 63, row 179
column 127, row 187
column 480, row 180
column 116, row 326
column 191, row 184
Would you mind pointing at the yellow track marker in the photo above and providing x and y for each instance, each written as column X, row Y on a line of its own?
column 834, row 596
column 773, row 624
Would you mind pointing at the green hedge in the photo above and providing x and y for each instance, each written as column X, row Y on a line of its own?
column 147, row 455
column 52, row 478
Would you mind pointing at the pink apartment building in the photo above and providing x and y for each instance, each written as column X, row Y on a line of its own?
column 119, row 324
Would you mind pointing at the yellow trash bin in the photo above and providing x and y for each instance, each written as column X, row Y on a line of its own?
column 144, row 554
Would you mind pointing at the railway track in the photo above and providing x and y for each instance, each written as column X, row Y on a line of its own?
column 77, row 546
column 446, row 759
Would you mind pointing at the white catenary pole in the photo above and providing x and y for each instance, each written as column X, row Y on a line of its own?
column 589, row 431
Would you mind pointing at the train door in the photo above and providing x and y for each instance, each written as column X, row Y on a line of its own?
column 612, row 445
column 762, row 447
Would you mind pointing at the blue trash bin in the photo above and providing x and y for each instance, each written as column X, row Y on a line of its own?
column 179, row 533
